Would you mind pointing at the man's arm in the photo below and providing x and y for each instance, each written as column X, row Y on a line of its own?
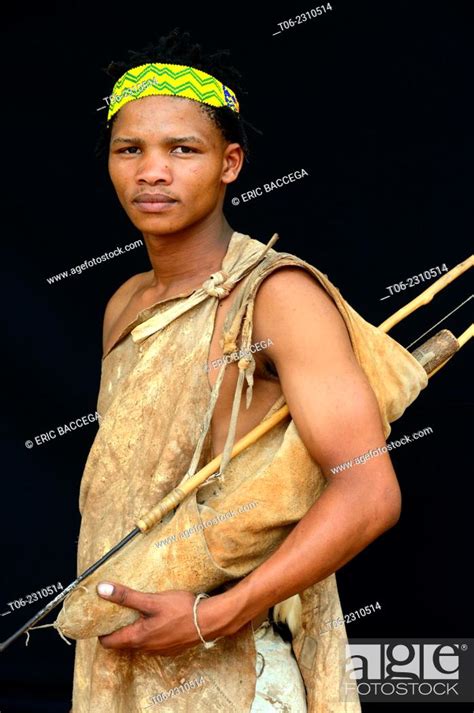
column 337, row 416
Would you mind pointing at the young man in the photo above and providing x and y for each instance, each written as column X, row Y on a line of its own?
column 176, row 141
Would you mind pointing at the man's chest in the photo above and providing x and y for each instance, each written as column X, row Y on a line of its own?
column 266, row 386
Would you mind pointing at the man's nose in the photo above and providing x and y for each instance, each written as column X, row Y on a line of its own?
column 154, row 169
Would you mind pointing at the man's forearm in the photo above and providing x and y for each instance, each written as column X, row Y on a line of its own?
column 344, row 520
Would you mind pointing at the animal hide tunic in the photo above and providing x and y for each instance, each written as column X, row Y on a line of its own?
column 155, row 405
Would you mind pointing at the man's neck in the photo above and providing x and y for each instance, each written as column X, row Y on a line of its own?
column 183, row 261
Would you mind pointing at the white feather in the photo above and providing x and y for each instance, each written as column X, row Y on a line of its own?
column 289, row 612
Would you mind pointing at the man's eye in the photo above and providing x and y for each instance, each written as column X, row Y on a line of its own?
column 186, row 149
column 131, row 149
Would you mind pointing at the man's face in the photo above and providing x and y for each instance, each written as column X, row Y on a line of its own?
column 167, row 146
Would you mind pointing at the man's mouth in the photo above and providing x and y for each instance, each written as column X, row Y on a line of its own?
column 153, row 202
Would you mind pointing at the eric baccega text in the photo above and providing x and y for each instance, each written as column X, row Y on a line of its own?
column 235, row 356
column 269, row 187
column 66, row 428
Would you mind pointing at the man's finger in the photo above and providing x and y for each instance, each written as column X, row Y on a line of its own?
column 126, row 597
column 128, row 637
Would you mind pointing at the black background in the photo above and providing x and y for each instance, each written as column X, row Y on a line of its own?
column 372, row 100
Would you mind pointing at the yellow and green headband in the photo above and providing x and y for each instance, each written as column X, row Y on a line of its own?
column 172, row 80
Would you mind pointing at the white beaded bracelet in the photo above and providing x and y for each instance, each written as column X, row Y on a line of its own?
column 207, row 644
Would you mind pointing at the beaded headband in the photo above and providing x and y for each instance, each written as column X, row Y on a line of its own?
column 170, row 79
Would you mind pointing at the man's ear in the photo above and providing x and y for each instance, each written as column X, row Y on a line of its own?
column 232, row 162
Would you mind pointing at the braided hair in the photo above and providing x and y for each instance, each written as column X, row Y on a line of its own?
column 177, row 47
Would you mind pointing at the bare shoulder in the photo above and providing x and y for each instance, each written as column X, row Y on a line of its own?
column 292, row 285
column 293, row 305
column 119, row 302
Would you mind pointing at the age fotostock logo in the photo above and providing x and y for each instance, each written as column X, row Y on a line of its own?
column 410, row 670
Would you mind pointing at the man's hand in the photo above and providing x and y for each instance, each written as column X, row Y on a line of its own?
column 166, row 624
